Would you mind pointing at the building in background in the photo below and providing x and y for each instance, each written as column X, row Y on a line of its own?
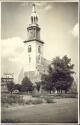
column 6, row 78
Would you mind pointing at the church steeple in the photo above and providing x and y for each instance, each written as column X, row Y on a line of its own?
column 33, row 44
column 34, row 17
column 33, row 30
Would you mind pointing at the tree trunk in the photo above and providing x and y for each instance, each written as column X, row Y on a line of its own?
column 57, row 91
column 61, row 91
column 50, row 91
column 65, row 91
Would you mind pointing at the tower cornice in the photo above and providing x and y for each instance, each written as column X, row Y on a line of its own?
column 33, row 26
column 26, row 41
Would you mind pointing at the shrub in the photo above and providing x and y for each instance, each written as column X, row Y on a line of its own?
column 37, row 101
column 12, row 99
column 36, row 94
column 69, row 95
column 28, row 102
column 49, row 100
column 20, row 101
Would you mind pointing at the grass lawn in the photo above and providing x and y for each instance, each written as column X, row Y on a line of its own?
column 63, row 111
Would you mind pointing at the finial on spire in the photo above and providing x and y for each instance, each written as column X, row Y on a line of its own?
column 34, row 17
column 33, row 9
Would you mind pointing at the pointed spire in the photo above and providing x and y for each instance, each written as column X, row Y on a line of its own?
column 33, row 9
column 34, row 17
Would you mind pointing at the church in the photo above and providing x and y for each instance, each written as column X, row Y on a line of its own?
column 35, row 64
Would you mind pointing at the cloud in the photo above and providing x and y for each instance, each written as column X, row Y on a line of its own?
column 75, row 30
column 38, row 3
column 12, row 56
column 12, row 48
column 48, row 7
column 41, row 4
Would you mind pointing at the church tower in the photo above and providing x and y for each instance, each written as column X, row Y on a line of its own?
column 33, row 45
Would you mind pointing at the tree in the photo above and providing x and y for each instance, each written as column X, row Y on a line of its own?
column 74, row 88
column 27, row 84
column 61, row 71
column 38, row 86
column 10, row 86
column 18, row 87
column 47, row 83
column 60, row 74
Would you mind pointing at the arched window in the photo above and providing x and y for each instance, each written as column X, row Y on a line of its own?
column 39, row 57
column 34, row 19
column 29, row 48
column 31, row 19
column 39, row 49
column 29, row 59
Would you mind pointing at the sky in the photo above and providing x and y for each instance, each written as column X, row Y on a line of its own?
column 59, row 30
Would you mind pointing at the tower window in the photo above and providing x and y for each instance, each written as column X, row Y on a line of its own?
column 29, row 59
column 38, row 58
column 29, row 48
column 34, row 19
column 31, row 19
column 39, row 49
